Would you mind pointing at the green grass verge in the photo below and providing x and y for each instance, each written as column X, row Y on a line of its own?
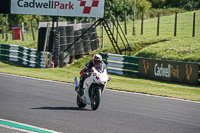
column 132, row 83
column 182, row 48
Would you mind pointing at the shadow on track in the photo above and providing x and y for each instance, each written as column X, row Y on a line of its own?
column 62, row 108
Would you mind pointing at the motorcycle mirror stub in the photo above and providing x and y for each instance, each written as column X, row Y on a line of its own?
column 93, row 69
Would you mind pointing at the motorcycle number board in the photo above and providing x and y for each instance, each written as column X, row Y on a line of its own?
column 75, row 8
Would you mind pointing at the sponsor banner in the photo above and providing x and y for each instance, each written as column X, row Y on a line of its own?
column 75, row 8
column 181, row 72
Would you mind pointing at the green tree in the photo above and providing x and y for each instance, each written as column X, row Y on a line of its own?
column 157, row 3
column 18, row 19
column 2, row 18
column 142, row 5
column 116, row 8
column 186, row 4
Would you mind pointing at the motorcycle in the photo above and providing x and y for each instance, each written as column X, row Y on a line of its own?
column 93, row 87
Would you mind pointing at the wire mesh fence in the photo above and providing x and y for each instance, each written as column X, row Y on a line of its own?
column 25, row 32
column 28, row 31
column 185, row 26
column 149, row 26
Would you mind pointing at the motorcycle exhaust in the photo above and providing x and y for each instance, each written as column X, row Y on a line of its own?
column 76, row 82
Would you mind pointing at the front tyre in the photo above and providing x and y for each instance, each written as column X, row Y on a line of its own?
column 95, row 99
column 80, row 102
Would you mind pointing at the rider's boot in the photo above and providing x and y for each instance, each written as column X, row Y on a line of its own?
column 80, row 87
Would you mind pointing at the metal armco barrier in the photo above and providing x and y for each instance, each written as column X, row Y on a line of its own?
column 121, row 64
column 27, row 57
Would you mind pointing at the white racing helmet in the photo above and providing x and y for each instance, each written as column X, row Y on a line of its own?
column 97, row 58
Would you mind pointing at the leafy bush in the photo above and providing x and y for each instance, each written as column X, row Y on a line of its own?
column 165, row 12
column 184, row 4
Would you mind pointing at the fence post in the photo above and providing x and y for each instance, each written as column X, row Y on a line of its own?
column 32, row 30
column 158, row 24
column 134, row 17
column 142, row 24
column 125, row 27
column 194, row 18
column 175, row 26
column 22, row 32
column 12, row 30
column 102, row 35
column 2, row 26
column 6, row 27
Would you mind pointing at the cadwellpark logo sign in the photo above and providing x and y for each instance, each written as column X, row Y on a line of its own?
column 45, row 5
column 181, row 72
column 76, row 8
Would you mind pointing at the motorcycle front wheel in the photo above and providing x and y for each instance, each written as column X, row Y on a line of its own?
column 95, row 99
column 80, row 102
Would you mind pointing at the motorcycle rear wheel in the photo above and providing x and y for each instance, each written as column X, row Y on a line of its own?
column 95, row 100
column 80, row 102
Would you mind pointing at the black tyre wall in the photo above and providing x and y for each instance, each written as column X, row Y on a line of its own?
column 70, row 40
column 56, row 48
column 79, row 51
column 86, row 42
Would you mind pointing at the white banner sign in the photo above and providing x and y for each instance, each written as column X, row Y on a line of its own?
column 75, row 8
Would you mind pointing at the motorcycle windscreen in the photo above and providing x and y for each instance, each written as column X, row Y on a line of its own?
column 99, row 67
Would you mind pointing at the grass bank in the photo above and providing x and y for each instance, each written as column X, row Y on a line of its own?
column 183, row 47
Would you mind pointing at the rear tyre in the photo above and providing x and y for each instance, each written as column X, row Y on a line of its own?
column 80, row 102
column 95, row 99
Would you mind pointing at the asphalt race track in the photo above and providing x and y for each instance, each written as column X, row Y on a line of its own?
column 52, row 105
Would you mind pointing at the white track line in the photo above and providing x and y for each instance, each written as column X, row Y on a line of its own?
column 148, row 95
column 26, row 125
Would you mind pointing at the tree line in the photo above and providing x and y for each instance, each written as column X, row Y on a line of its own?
column 118, row 8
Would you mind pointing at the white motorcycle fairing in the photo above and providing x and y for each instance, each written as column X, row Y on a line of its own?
column 93, row 87
column 95, row 78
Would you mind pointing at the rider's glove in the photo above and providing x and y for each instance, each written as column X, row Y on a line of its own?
column 86, row 74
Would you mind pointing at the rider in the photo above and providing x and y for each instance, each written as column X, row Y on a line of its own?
column 85, row 72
